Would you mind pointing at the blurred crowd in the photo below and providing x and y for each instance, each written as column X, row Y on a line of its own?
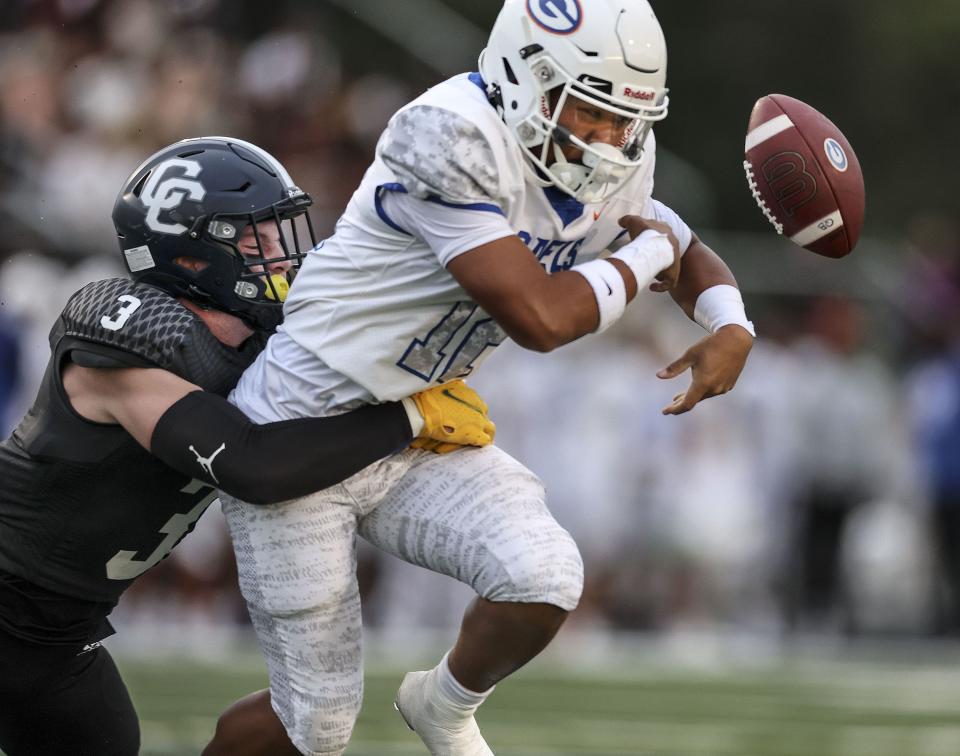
column 820, row 496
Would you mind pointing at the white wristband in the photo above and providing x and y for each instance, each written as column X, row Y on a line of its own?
column 646, row 256
column 719, row 306
column 608, row 288
column 413, row 415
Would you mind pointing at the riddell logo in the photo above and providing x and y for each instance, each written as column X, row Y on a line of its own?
column 637, row 94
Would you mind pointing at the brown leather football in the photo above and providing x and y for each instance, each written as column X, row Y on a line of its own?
column 804, row 175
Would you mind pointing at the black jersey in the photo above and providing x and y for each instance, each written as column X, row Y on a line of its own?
column 84, row 509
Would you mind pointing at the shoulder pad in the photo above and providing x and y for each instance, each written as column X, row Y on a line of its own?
column 126, row 317
column 119, row 323
column 435, row 152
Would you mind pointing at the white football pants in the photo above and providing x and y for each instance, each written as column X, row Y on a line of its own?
column 476, row 515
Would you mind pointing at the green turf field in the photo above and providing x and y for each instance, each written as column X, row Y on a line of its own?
column 838, row 707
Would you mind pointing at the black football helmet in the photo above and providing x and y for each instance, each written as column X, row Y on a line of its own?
column 194, row 199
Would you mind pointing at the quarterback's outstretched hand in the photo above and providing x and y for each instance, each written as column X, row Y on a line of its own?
column 454, row 415
column 716, row 362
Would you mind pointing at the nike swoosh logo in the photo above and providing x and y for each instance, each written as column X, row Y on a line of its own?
column 449, row 395
column 609, row 290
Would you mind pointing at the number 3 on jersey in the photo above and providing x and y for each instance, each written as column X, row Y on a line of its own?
column 456, row 342
column 128, row 306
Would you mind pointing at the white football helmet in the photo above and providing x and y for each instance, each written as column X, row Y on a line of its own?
column 609, row 53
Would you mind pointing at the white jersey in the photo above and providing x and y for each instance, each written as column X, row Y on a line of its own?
column 374, row 315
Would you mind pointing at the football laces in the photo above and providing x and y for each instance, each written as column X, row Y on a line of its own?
column 755, row 190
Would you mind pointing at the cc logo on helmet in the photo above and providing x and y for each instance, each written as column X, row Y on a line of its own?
column 165, row 194
column 556, row 16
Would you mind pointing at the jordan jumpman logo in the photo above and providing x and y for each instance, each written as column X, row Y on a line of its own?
column 207, row 462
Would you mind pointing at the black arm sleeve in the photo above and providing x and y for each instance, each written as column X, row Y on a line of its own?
column 206, row 437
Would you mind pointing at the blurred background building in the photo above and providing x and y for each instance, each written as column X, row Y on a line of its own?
column 821, row 497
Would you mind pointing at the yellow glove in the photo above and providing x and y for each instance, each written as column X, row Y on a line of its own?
column 454, row 415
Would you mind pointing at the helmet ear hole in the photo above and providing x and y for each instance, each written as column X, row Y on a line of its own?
column 193, row 264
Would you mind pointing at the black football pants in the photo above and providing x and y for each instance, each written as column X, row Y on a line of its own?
column 54, row 702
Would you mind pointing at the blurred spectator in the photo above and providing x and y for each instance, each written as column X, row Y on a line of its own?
column 850, row 451
column 29, row 289
column 29, row 129
column 933, row 390
column 931, row 345
column 929, row 293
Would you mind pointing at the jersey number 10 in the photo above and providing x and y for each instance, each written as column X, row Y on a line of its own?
column 455, row 343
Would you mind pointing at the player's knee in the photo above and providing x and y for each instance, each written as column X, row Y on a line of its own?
column 549, row 571
column 306, row 593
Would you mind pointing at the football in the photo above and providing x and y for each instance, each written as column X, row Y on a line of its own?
column 804, row 175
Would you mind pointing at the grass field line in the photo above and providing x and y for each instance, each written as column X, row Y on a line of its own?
column 813, row 707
